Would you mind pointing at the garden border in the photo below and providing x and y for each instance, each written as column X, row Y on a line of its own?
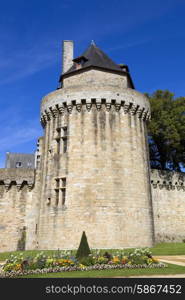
column 76, row 268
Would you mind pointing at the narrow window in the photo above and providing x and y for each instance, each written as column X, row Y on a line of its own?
column 63, row 190
column 58, row 139
column 63, row 182
column 63, row 195
column 57, row 191
column 65, row 131
column 60, row 191
column 58, row 146
column 64, row 144
column 57, row 197
column 64, row 139
column 36, row 227
column 57, row 183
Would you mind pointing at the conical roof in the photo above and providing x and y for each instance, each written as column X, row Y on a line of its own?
column 95, row 57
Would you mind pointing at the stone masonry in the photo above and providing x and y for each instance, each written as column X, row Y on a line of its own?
column 92, row 168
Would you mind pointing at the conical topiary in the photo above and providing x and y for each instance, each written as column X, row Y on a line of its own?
column 83, row 249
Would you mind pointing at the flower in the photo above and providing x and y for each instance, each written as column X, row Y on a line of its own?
column 116, row 260
column 81, row 266
column 124, row 260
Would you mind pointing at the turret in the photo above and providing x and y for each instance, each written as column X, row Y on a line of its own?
column 95, row 157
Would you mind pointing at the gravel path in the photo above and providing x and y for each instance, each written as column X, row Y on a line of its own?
column 173, row 259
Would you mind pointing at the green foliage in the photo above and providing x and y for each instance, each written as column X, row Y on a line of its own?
column 167, row 131
column 107, row 255
column 87, row 261
column 18, row 264
column 140, row 256
column 101, row 260
column 83, row 249
column 158, row 249
column 40, row 260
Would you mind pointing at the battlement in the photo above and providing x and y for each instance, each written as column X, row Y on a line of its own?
column 169, row 180
column 17, row 176
column 126, row 106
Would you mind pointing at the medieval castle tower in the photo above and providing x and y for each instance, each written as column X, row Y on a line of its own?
column 92, row 167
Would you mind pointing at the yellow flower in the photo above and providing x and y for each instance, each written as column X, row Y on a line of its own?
column 17, row 267
column 116, row 259
column 81, row 266
column 149, row 260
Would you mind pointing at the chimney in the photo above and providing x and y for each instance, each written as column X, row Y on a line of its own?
column 67, row 55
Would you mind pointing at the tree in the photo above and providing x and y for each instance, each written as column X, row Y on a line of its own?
column 83, row 249
column 167, row 131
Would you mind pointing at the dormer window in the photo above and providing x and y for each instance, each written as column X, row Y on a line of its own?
column 80, row 61
column 18, row 164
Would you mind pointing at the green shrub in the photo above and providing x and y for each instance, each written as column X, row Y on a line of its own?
column 139, row 260
column 101, row 260
column 40, row 260
column 107, row 255
column 87, row 261
column 83, row 249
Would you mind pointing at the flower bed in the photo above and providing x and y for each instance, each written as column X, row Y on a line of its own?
column 64, row 262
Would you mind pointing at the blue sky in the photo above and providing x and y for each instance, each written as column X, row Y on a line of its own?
column 148, row 36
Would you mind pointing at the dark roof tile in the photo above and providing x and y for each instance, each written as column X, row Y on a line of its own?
column 95, row 57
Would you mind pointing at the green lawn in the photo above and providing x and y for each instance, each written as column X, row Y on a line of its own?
column 159, row 249
column 31, row 253
column 169, row 249
column 170, row 270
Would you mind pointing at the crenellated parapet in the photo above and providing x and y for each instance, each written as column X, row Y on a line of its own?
column 17, row 176
column 169, row 180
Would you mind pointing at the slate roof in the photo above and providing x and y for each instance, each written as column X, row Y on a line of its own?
column 20, row 160
column 95, row 57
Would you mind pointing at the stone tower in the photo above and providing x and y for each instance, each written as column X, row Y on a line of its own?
column 93, row 161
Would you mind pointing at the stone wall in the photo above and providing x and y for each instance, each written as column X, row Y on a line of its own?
column 168, row 193
column 15, row 198
column 105, row 163
column 94, row 78
column 92, row 174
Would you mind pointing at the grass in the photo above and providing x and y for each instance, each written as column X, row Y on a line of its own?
column 159, row 249
column 169, row 270
column 169, row 249
column 30, row 253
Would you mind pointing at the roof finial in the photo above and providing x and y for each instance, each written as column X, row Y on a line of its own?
column 93, row 43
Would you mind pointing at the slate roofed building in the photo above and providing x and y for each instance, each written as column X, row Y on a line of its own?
column 20, row 160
